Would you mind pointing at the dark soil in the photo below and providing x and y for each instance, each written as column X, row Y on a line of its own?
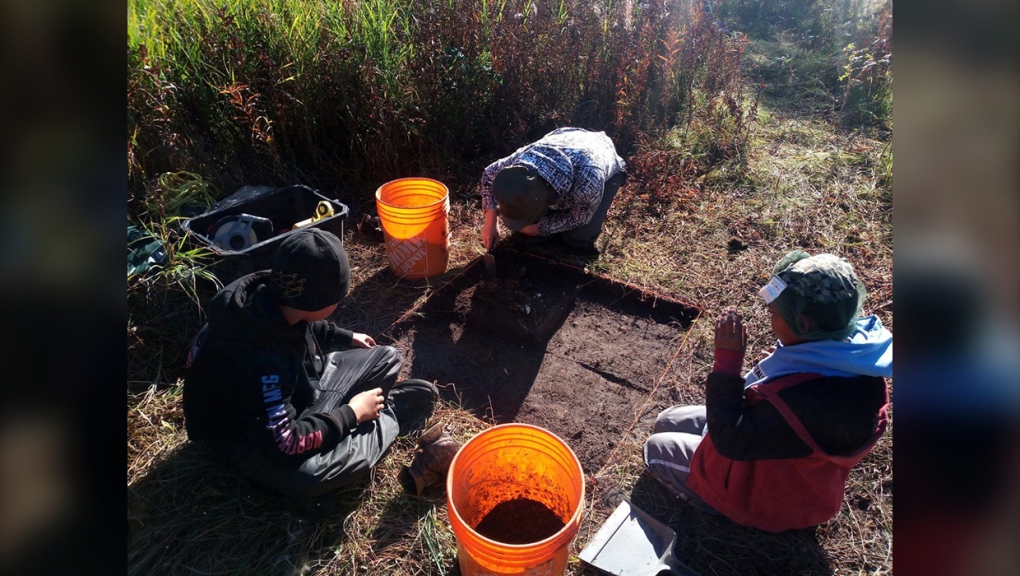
column 549, row 345
column 519, row 521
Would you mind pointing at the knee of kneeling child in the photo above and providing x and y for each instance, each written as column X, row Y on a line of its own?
column 388, row 354
column 652, row 448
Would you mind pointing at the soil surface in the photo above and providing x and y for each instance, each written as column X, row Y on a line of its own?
column 519, row 521
column 546, row 344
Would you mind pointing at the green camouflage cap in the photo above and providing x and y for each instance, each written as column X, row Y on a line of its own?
column 823, row 287
column 822, row 279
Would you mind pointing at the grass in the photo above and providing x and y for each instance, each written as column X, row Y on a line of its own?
column 354, row 92
column 710, row 206
column 803, row 184
column 171, row 292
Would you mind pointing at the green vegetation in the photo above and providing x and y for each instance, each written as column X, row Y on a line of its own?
column 343, row 96
column 831, row 54
column 170, row 293
column 749, row 128
column 363, row 91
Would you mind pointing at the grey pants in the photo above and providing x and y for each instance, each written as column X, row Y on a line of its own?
column 347, row 373
column 586, row 235
column 670, row 448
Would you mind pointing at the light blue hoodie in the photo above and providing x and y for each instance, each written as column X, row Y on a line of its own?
column 866, row 352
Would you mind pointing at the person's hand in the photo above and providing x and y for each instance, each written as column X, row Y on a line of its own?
column 360, row 340
column 530, row 230
column 730, row 333
column 368, row 404
column 490, row 230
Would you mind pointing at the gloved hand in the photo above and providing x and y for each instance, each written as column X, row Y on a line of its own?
column 436, row 449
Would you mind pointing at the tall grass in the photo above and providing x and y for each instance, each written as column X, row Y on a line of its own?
column 821, row 54
column 334, row 92
column 164, row 302
column 343, row 95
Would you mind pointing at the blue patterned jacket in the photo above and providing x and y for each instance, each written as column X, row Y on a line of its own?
column 575, row 162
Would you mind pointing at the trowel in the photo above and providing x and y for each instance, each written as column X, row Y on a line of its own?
column 632, row 543
column 490, row 263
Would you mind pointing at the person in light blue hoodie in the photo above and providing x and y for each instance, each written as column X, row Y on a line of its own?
column 772, row 449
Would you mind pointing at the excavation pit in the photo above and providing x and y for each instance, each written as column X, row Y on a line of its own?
column 547, row 344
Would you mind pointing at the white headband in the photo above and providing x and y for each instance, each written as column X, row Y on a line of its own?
column 772, row 290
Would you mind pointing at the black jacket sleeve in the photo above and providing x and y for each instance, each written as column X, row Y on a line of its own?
column 747, row 430
column 331, row 335
column 275, row 420
column 840, row 414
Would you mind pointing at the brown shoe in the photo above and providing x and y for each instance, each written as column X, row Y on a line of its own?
column 436, row 449
column 371, row 227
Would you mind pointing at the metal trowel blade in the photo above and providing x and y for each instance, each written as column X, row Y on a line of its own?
column 632, row 543
column 490, row 263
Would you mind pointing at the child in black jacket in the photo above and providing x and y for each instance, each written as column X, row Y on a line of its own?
column 262, row 395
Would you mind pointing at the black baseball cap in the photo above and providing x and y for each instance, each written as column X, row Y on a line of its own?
column 310, row 270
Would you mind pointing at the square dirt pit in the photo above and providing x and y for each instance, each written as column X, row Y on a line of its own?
column 547, row 344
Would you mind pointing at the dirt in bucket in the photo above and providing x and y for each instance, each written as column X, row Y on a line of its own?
column 519, row 521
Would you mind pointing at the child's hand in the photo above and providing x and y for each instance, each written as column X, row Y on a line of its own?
column 362, row 340
column 368, row 404
column 490, row 230
column 730, row 333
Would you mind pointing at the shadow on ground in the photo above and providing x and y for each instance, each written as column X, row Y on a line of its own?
column 381, row 298
column 189, row 515
column 547, row 345
column 713, row 545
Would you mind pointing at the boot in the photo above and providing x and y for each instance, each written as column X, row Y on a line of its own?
column 371, row 227
column 431, row 462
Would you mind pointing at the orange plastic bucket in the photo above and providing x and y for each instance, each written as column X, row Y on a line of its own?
column 413, row 215
column 506, row 463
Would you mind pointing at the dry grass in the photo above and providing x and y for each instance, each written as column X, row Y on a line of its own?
column 708, row 238
column 187, row 515
column 804, row 186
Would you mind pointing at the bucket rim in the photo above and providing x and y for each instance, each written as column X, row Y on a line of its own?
column 445, row 188
column 560, row 534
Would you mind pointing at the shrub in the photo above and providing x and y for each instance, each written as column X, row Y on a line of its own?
column 345, row 95
column 356, row 92
column 830, row 55
column 164, row 301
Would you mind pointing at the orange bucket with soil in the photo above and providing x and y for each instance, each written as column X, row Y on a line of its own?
column 413, row 216
column 515, row 497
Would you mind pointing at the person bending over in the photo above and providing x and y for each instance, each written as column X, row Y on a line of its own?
column 560, row 186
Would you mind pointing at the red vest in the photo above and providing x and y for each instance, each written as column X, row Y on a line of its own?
column 777, row 495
